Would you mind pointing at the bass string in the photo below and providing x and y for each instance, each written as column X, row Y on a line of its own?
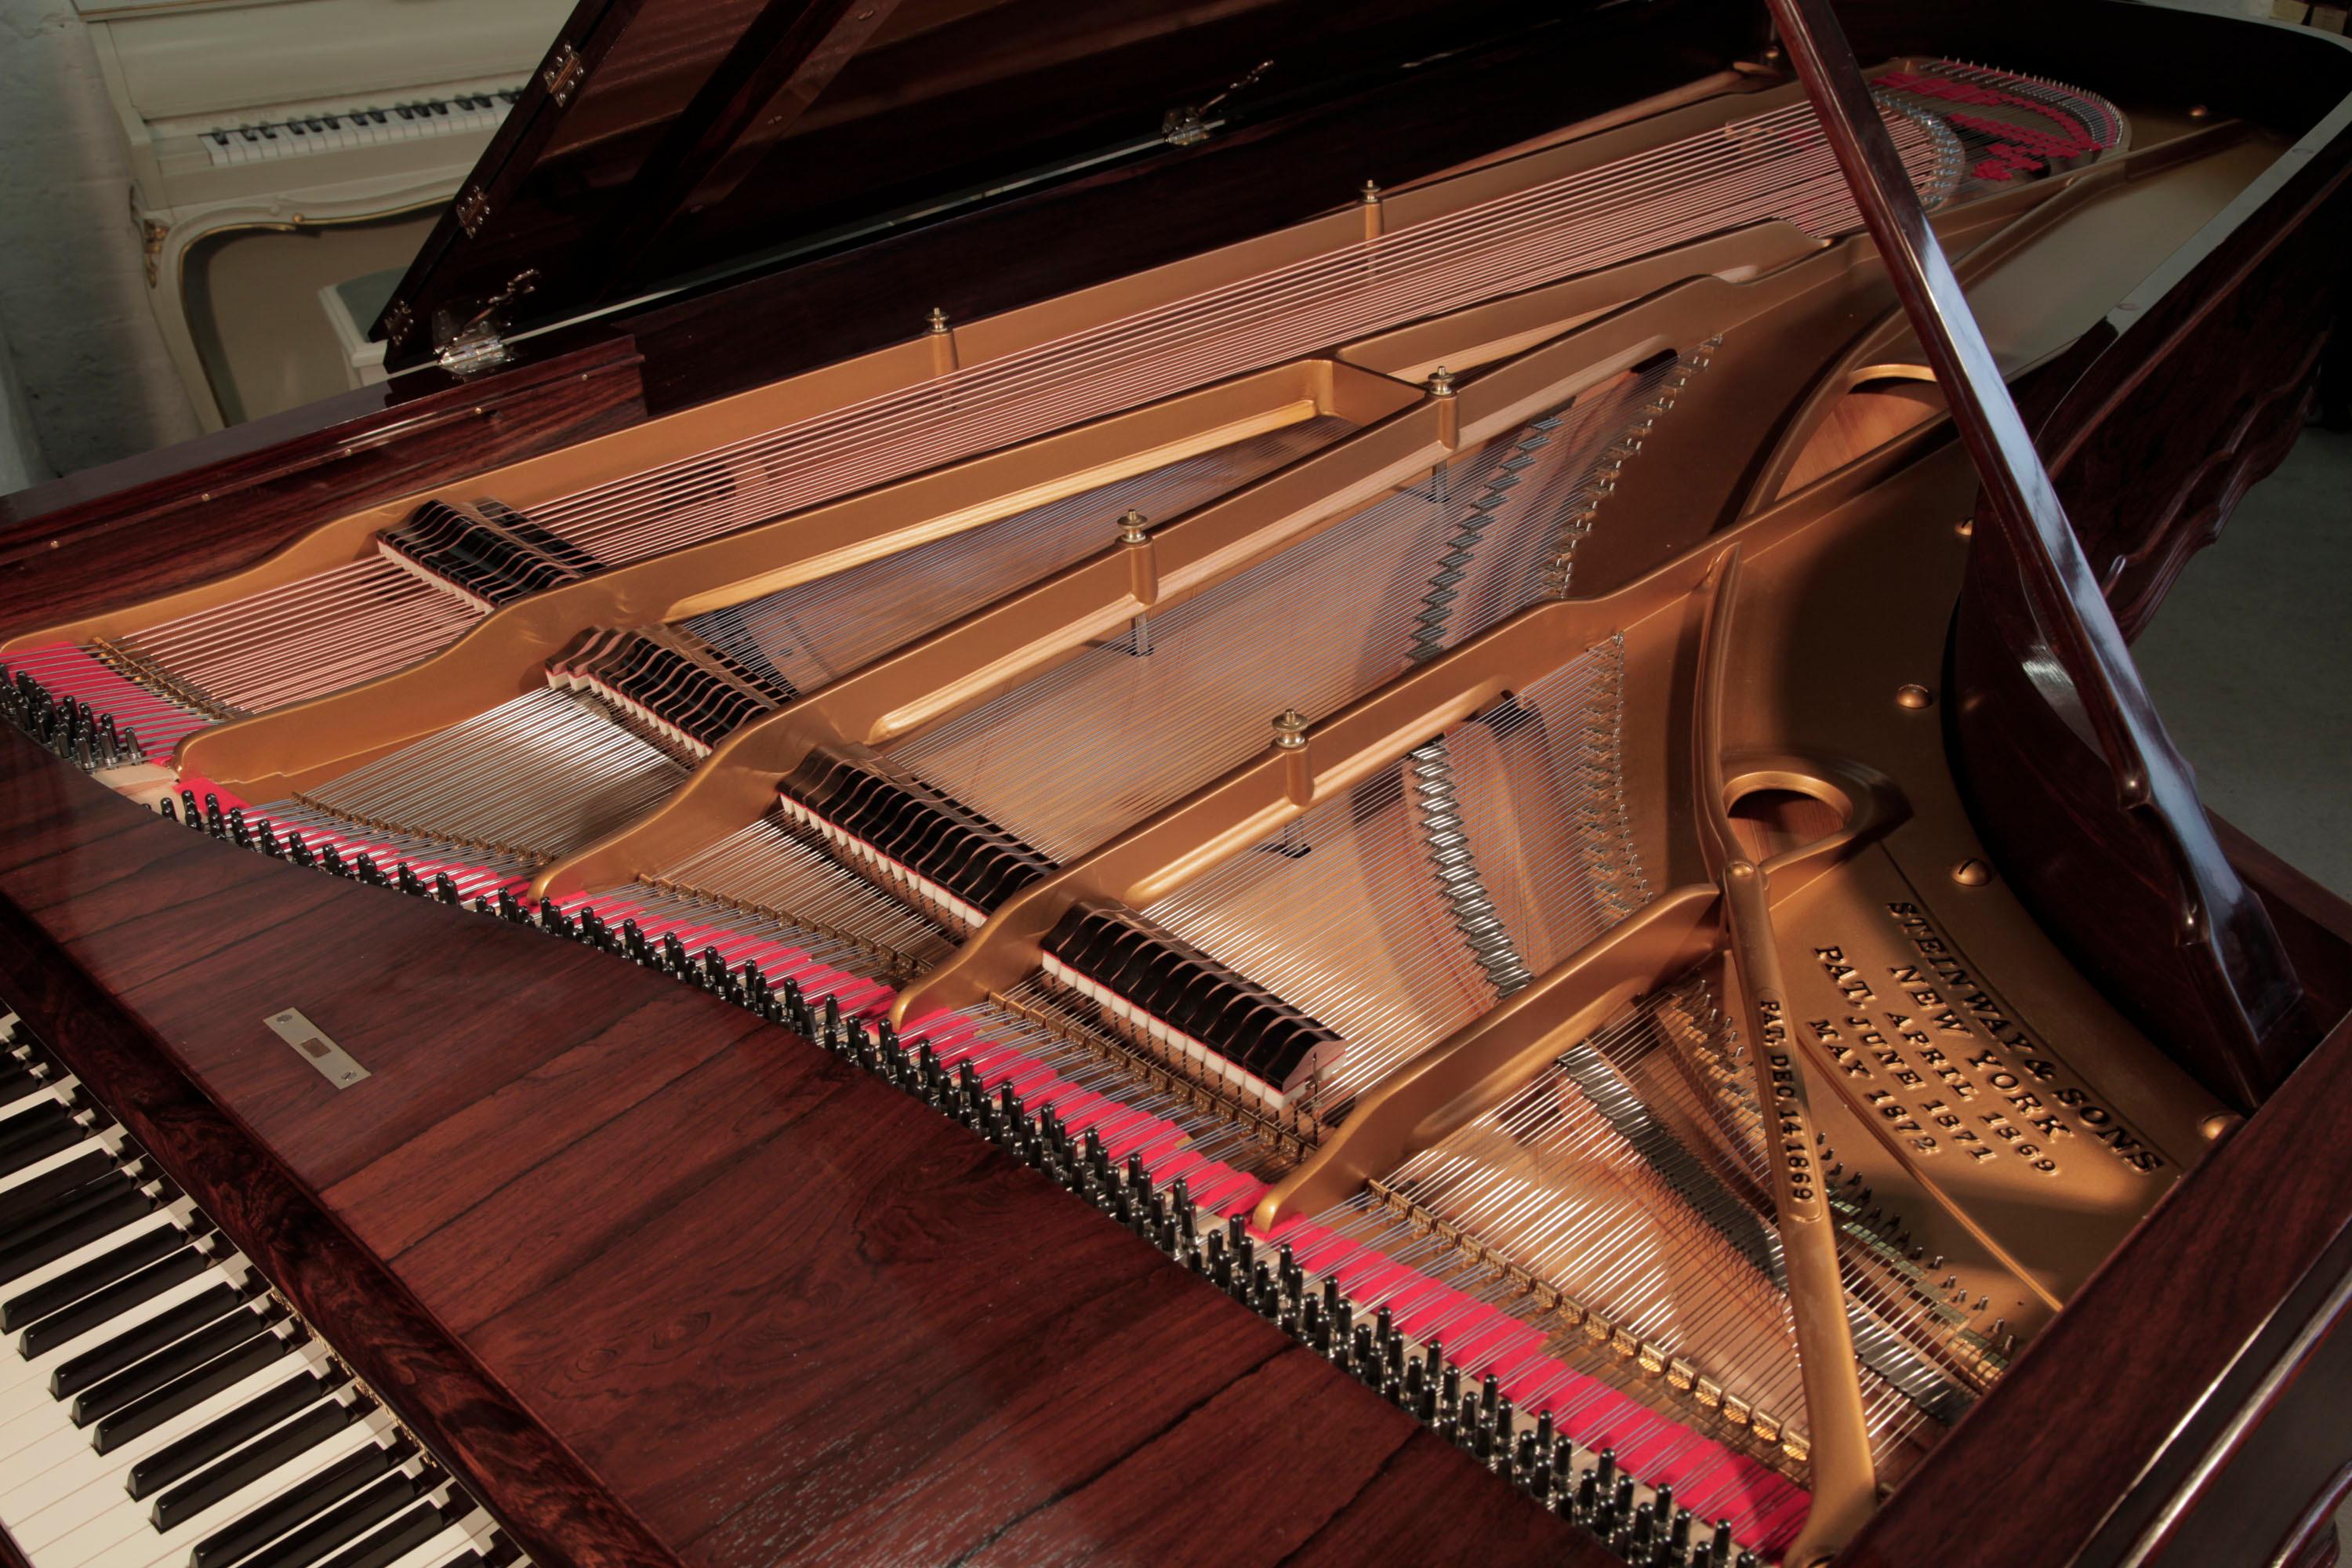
column 543, row 773
column 769, row 867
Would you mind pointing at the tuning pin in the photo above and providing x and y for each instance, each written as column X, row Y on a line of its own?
column 832, row 1020
column 267, row 839
column 192, row 810
column 1678, row 1535
column 1718, row 1550
column 297, row 851
column 363, row 866
column 237, row 828
column 331, row 861
column 167, row 808
column 404, row 879
column 444, row 888
column 131, row 749
column 213, row 814
column 509, row 909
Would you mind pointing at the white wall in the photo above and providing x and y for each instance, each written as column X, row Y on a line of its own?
column 73, row 308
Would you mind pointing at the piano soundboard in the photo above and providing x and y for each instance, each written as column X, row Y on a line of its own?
column 160, row 1403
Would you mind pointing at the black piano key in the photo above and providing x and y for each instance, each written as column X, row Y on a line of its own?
column 176, row 1461
column 67, row 1208
column 21, row 1257
column 140, row 1340
column 17, row 1081
column 269, row 1519
column 57, row 1294
column 101, row 1307
column 144, row 1414
column 341, row 1524
column 168, row 1366
column 394, row 1540
column 221, row 137
column 29, row 1200
column 32, row 1135
column 254, row 1460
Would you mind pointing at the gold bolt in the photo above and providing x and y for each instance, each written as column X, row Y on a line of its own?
column 1130, row 527
column 939, row 321
column 2219, row 1125
column 1966, row 528
column 1441, row 382
column 1289, row 730
column 1914, row 697
column 1372, row 192
column 1972, row 873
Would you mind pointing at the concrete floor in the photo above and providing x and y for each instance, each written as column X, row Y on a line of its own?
column 2250, row 661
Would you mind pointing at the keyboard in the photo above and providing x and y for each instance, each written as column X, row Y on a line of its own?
column 160, row 1403
column 366, row 127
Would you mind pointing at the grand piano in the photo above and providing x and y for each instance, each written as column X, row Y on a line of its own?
column 1107, row 781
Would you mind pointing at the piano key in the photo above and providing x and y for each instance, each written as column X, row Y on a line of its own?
column 32, row 1134
column 90, row 1144
column 346, row 1522
column 102, row 1305
column 70, row 1205
column 136, row 1419
column 241, row 1466
column 121, row 1538
column 24, row 1384
column 37, row 1196
column 426, row 1524
column 227, row 1430
column 454, row 1548
column 169, row 1216
column 267, row 1520
column 123, row 1258
column 110, row 1215
column 183, row 1359
column 135, row 1343
column 67, row 1467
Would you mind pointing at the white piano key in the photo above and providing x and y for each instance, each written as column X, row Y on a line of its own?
column 65, row 1463
column 23, row 1380
column 93, row 1484
column 54, row 1090
column 447, row 1547
column 98, row 1545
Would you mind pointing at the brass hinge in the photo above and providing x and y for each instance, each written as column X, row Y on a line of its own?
column 561, row 77
column 472, row 209
column 480, row 344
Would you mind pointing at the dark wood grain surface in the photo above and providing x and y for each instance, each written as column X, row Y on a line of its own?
column 183, row 514
column 759, row 1306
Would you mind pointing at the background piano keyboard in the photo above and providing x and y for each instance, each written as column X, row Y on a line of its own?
column 159, row 1403
column 368, row 127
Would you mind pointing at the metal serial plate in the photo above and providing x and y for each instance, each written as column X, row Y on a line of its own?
column 334, row 1063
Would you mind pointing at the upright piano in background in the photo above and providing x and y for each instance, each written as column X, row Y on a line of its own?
column 1116, row 782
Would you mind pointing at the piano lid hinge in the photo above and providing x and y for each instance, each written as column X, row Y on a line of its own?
column 563, row 74
column 480, row 344
column 472, row 209
column 1188, row 125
